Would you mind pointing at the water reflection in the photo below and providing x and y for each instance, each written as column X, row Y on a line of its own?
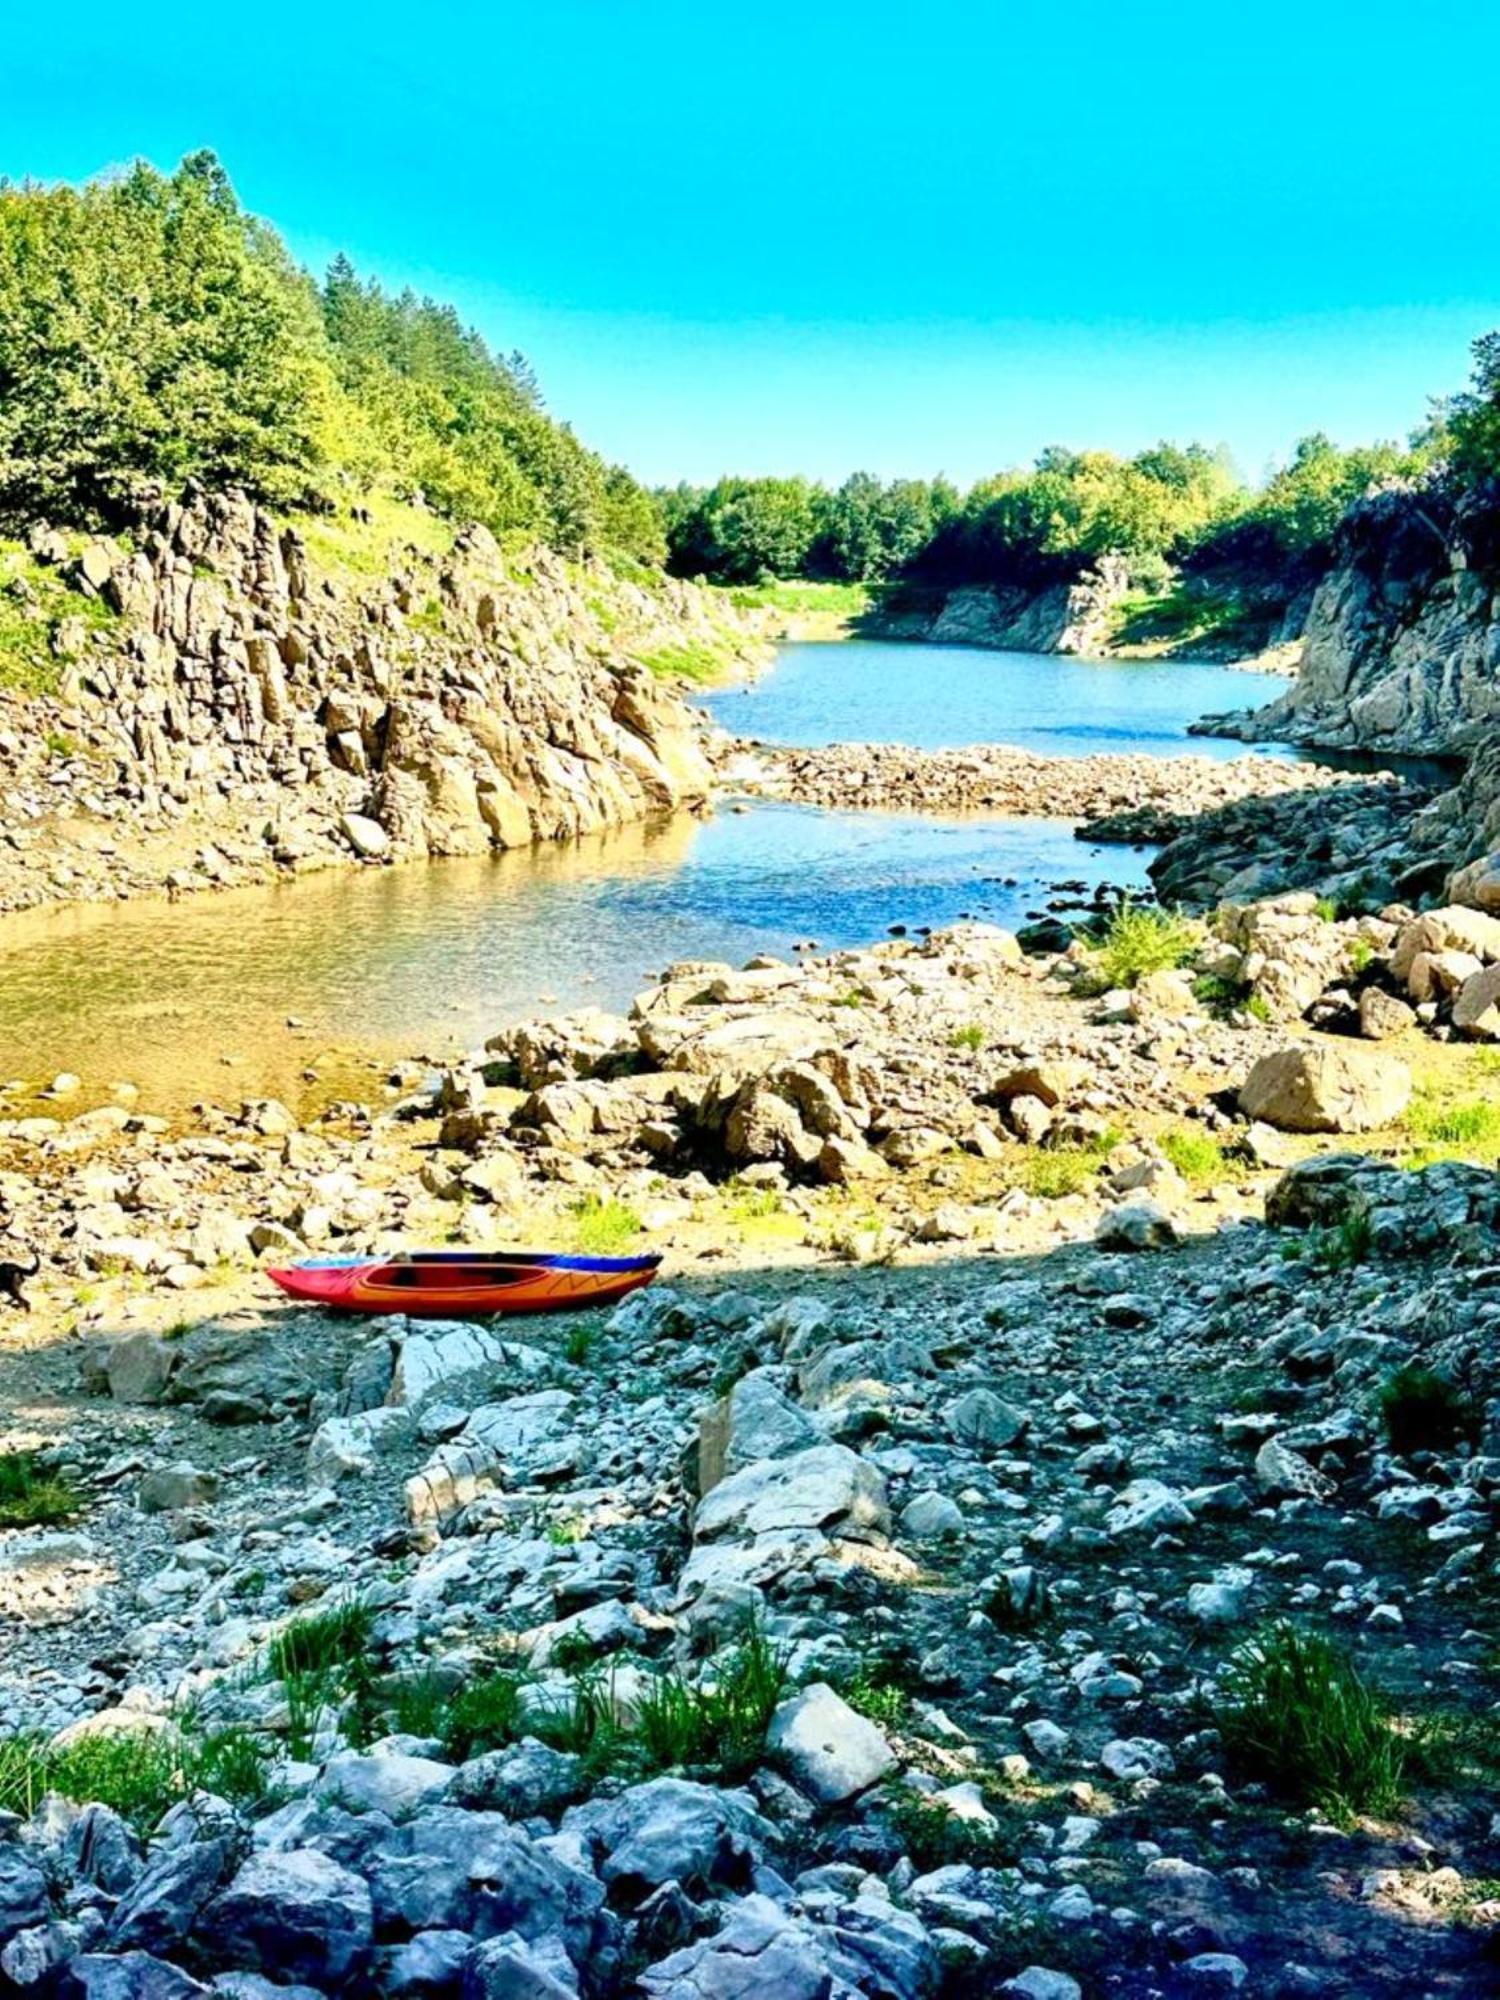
column 436, row 956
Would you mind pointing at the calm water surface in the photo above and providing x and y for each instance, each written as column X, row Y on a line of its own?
column 193, row 999
column 868, row 691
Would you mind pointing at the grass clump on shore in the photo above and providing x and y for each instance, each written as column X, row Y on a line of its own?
column 1295, row 1715
column 323, row 1662
column 716, row 1727
column 1464, row 1129
column 1138, row 940
column 1052, row 1172
column 1197, row 1156
column 1423, row 1411
column 604, row 1228
column 31, row 1496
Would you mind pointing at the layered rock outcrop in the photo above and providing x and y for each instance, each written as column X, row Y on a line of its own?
column 1053, row 618
column 302, row 705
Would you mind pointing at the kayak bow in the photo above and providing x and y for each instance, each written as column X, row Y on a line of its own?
column 453, row 1283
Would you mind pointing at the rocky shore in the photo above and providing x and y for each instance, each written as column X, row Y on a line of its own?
column 855, row 1612
column 1160, row 793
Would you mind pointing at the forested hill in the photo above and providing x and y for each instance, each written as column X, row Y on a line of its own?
column 1168, row 511
column 151, row 332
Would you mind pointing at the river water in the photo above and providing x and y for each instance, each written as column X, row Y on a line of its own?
column 194, row 999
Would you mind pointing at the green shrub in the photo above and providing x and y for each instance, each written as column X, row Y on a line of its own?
column 1138, row 940
column 1424, row 1411
column 32, row 1497
column 971, row 1036
column 1295, row 1715
column 1345, row 1245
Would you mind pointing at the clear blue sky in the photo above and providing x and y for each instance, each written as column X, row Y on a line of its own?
column 833, row 235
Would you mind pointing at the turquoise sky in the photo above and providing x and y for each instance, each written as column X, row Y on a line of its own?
column 824, row 236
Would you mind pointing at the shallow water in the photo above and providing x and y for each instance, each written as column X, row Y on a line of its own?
column 192, row 999
column 872, row 691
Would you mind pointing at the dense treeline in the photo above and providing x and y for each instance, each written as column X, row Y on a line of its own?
column 1172, row 504
column 151, row 330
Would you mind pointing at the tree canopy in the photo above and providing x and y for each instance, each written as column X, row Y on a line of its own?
column 151, row 329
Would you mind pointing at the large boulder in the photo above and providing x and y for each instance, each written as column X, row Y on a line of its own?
column 1315, row 1087
column 755, row 1420
column 671, row 1830
column 295, row 1913
column 1476, row 1011
column 831, row 1751
column 826, row 1487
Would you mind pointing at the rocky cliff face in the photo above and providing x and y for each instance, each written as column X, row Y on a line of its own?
column 1402, row 641
column 251, row 704
column 1402, row 655
column 1058, row 618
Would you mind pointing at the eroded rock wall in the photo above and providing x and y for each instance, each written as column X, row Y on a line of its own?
column 247, row 693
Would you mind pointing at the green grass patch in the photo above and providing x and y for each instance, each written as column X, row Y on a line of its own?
column 361, row 549
column 1137, row 940
column 31, row 1496
column 972, row 1035
column 604, row 1228
column 937, row 1837
column 693, row 660
column 1295, row 1715
column 137, row 1773
column 715, row 1727
column 43, row 623
column 1185, row 615
column 1052, row 1172
column 1455, row 1129
column 1197, row 1156
column 838, row 601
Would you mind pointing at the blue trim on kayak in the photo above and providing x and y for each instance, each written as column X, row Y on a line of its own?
column 418, row 1259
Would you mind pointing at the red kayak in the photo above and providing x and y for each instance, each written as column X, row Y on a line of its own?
column 450, row 1284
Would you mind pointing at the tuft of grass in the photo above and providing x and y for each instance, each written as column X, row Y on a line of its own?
column 604, row 1228
column 1138, row 940
column 971, row 1036
column 1424, row 1411
column 323, row 1662
column 1055, row 1171
column 32, row 1497
column 321, row 1642
column 876, row 1688
column 485, row 1714
column 716, row 1727
column 137, row 1773
column 721, row 1725
column 1347, row 1244
column 1465, row 1129
column 1197, row 1156
column 1295, row 1715
column 578, row 1344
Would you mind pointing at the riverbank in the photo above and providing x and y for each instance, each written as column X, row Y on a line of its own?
column 972, row 1311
